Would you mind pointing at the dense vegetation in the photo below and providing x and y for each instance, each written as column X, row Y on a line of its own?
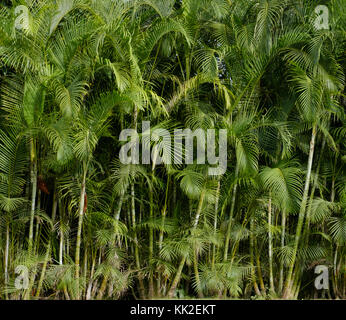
column 89, row 227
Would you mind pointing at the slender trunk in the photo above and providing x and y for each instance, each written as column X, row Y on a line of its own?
column 163, row 218
column 46, row 259
column 55, row 204
column 164, row 213
column 33, row 178
column 33, row 175
column 79, row 231
column 253, row 275
column 85, row 271
column 61, row 243
column 335, row 270
column 151, row 248
column 61, row 233
column 335, row 277
column 43, row 272
column 312, row 193
column 133, row 216
column 66, row 293
column 288, row 285
column 332, row 196
column 88, row 294
column 29, row 291
column 215, row 220
column 106, row 276
column 229, row 226
column 176, row 280
column 283, row 233
column 117, row 215
column 38, row 224
column 103, row 287
column 270, row 246
column 177, row 277
column 195, row 268
column 259, row 270
column 7, row 251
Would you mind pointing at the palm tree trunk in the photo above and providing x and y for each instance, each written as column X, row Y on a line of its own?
column 229, row 226
column 88, row 293
column 312, row 193
column 177, row 277
column 79, row 231
column 283, row 233
column 117, row 215
column 195, row 268
column 270, row 246
column 33, row 175
column 55, row 203
column 38, row 224
column 106, row 276
column 44, row 268
column 151, row 248
column 103, row 287
column 164, row 213
column 253, row 275
column 7, row 250
column 215, row 220
column 176, row 280
column 288, row 285
column 46, row 259
column 163, row 218
column 61, row 246
column 138, row 265
column 259, row 270
column 61, row 234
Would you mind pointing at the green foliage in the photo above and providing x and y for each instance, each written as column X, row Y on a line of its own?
column 89, row 227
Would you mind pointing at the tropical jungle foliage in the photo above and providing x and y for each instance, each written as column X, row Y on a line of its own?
column 87, row 226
